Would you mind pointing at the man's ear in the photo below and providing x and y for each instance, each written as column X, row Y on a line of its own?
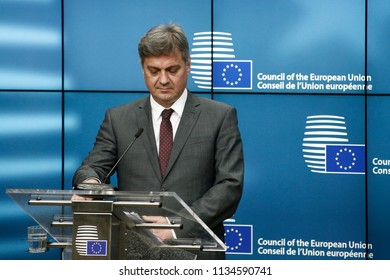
column 188, row 64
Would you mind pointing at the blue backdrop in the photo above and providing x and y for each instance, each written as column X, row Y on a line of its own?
column 308, row 78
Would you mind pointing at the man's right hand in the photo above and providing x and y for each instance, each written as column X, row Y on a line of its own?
column 91, row 181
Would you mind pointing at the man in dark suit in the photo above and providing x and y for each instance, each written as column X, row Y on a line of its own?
column 205, row 166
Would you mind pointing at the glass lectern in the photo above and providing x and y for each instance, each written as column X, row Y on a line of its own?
column 112, row 224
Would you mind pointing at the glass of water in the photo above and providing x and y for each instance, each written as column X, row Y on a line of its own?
column 37, row 239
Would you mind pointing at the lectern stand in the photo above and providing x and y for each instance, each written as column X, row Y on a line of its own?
column 110, row 225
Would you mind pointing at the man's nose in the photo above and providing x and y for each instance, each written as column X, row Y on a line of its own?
column 164, row 78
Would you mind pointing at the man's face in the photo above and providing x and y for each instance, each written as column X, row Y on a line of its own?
column 166, row 77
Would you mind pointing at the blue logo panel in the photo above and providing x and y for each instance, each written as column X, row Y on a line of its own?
column 238, row 239
column 232, row 74
column 97, row 248
column 345, row 159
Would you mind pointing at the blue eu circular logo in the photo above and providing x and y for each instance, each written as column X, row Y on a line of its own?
column 345, row 159
column 96, row 248
column 231, row 74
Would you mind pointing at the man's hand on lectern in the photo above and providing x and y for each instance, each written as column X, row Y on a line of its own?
column 92, row 181
column 163, row 234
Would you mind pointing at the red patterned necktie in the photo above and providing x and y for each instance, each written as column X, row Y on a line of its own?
column 166, row 139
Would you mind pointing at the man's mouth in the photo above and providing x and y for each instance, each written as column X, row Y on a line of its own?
column 164, row 89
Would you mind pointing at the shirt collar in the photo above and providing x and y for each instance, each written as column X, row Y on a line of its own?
column 178, row 106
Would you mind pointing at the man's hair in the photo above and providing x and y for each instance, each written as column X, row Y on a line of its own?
column 163, row 40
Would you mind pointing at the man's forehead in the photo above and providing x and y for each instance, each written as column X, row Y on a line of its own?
column 163, row 61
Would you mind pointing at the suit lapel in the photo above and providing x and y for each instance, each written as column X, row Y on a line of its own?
column 190, row 116
column 143, row 116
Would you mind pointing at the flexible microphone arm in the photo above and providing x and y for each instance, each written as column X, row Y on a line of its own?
column 138, row 134
column 104, row 186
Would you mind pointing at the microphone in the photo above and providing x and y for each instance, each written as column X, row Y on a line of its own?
column 138, row 134
column 104, row 186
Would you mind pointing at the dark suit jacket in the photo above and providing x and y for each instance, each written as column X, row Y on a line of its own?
column 205, row 167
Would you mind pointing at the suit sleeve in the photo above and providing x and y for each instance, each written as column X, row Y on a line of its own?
column 102, row 157
column 221, row 200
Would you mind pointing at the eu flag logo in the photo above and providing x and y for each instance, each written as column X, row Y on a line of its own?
column 345, row 159
column 238, row 239
column 97, row 248
column 232, row 74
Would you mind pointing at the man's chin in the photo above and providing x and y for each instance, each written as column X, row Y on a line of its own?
column 165, row 100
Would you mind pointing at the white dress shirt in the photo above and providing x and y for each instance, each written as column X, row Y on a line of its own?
column 178, row 108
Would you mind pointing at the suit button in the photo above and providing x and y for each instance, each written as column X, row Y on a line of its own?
column 163, row 190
